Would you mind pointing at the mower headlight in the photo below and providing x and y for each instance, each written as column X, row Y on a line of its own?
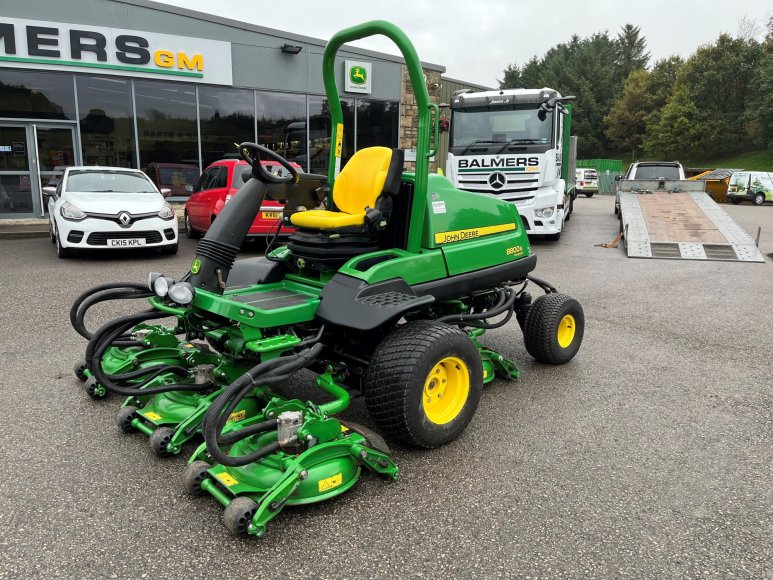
column 544, row 213
column 167, row 212
column 181, row 293
column 161, row 286
column 70, row 212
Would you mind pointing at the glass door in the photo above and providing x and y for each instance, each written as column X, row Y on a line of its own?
column 55, row 148
column 19, row 196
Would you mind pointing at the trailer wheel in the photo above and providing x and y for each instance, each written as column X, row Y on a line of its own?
column 554, row 328
column 759, row 198
column 424, row 383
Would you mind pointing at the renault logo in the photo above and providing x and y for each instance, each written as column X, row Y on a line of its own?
column 497, row 180
column 125, row 219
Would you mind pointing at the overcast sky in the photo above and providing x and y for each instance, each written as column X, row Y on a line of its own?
column 476, row 39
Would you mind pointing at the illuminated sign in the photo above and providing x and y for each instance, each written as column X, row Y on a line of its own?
column 82, row 48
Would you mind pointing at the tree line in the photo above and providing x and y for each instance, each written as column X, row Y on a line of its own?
column 717, row 101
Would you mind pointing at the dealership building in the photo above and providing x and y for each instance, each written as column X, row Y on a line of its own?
column 132, row 83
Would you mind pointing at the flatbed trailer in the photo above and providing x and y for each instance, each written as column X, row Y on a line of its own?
column 678, row 220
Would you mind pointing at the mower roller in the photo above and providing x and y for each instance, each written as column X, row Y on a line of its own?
column 384, row 290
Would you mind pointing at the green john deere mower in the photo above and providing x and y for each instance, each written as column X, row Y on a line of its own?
column 384, row 291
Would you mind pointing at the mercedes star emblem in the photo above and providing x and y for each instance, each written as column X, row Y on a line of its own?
column 497, row 180
column 124, row 218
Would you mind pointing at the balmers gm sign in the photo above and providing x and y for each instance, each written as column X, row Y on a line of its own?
column 80, row 48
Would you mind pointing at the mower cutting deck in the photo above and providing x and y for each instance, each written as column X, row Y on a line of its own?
column 384, row 291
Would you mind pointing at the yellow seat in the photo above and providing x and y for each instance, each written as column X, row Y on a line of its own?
column 356, row 188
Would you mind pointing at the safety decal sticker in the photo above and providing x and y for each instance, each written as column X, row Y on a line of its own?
column 226, row 479
column 438, row 207
column 237, row 416
column 331, row 482
column 151, row 415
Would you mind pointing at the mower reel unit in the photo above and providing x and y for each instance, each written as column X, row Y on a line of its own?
column 384, row 290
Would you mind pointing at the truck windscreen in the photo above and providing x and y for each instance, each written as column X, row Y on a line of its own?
column 517, row 126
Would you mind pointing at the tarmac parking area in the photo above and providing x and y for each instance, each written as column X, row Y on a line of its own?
column 648, row 455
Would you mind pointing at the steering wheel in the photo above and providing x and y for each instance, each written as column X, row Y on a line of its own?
column 251, row 153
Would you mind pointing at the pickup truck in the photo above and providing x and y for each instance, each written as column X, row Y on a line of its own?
column 649, row 171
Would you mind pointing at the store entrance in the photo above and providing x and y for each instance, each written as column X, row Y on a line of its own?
column 32, row 155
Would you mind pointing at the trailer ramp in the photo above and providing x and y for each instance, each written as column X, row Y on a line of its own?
column 677, row 220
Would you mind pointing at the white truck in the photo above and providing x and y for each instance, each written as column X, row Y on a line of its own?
column 515, row 144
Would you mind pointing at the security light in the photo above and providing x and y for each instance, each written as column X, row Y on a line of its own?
column 291, row 48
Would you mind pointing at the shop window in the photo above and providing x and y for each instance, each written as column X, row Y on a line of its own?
column 377, row 124
column 282, row 125
column 167, row 130
column 227, row 116
column 36, row 95
column 320, row 131
column 106, row 116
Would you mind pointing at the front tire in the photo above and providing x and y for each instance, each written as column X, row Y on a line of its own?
column 554, row 327
column 62, row 252
column 424, row 383
column 190, row 233
column 169, row 250
column 759, row 198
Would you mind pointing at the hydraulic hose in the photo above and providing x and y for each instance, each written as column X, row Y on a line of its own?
column 104, row 338
column 505, row 303
column 266, row 373
column 102, row 293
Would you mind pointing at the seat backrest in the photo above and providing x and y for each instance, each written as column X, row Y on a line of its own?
column 362, row 180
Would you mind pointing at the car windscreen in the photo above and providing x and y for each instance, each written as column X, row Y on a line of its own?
column 520, row 125
column 108, row 182
column 657, row 171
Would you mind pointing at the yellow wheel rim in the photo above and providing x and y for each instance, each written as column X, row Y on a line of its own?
column 446, row 390
column 566, row 330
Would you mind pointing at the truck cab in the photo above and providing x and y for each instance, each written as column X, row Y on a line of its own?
column 515, row 145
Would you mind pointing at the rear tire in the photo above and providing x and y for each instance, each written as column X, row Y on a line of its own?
column 590, row 194
column 554, row 328
column 424, row 383
column 759, row 198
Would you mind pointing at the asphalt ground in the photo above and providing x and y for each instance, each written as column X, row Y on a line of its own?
column 649, row 455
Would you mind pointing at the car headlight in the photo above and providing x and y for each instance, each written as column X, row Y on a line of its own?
column 70, row 212
column 182, row 293
column 544, row 213
column 167, row 212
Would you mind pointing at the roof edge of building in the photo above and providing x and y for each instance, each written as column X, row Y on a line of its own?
column 468, row 83
column 177, row 10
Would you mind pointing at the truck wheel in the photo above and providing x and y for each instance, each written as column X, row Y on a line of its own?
column 735, row 200
column 554, row 328
column 424, row 383
column 759, row 198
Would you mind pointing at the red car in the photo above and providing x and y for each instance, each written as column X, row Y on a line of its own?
column 219, row 182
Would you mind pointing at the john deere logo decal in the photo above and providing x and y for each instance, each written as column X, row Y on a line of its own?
column 358, row 75
column 196, row 266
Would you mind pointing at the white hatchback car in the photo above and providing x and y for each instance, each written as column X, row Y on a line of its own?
column 99, row 208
